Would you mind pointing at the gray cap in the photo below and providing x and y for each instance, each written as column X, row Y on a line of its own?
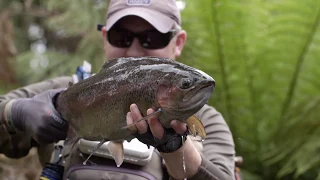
column 162, row 14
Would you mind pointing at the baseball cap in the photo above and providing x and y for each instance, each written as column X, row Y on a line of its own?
column 162, row 14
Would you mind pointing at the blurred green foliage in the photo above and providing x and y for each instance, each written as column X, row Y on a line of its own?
column 263, row 55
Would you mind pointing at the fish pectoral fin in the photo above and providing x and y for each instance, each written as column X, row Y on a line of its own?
column 196, row 127
column 117, row 152
column 143, row 119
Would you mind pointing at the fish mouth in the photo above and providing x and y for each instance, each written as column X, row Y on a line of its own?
column 196, row 98
column 194, row 104
column 205, row 89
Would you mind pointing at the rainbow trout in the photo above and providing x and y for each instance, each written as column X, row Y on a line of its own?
column 96, row 107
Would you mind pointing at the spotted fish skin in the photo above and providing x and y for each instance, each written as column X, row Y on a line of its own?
column 96, row 107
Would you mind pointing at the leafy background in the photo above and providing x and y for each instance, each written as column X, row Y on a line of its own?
column 263, row 55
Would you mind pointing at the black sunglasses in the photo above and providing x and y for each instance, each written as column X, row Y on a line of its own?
column 151, row 39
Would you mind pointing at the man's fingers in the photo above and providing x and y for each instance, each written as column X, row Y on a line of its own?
column 57, row 122
column 155, row 126
column 51, row 133
column 178, row 126
column 133, row 129
column 44, row 138
column 142, row 126
column 61, row 135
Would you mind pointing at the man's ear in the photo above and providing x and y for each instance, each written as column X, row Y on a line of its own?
column 180, row 42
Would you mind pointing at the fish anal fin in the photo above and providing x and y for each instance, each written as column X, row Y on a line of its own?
column 117, row 151
column 196, row 127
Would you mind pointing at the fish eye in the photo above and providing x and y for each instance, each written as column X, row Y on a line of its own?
column 185, row 83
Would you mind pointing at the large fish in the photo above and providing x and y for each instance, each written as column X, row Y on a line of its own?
column 96, row 107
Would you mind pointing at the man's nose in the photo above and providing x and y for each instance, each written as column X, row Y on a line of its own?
column 135, row 50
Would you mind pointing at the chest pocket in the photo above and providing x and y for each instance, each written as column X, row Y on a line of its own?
column 100, row 167
column 106, row 172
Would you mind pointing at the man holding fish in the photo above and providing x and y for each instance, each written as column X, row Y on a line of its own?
column 43, row 113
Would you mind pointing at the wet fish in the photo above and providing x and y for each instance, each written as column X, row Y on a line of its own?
column 96, row 107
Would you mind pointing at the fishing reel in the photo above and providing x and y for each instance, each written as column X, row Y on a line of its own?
column 53, row 170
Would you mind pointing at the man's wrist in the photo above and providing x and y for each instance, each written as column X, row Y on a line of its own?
column 187, row 154
column 170, row 142
column 173, row 144
column 7, row 121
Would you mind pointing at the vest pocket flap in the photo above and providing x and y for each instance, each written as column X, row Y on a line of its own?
column 99, row 172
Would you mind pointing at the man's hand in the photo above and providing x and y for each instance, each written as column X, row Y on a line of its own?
column 152, row 132
column 168, row 142
column 37, row 117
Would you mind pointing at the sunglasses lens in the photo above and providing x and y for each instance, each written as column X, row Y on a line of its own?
column 154, row 39
column 120, row 38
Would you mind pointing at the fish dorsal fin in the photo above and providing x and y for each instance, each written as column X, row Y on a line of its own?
column 143, row 119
